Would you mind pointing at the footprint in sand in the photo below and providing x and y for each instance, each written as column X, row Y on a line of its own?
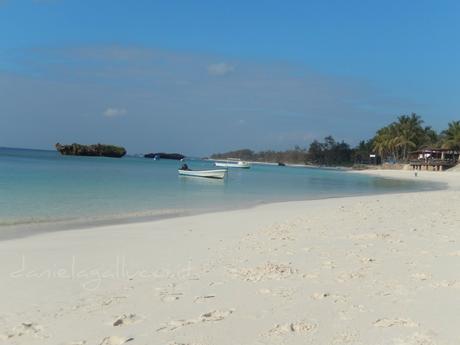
column 328, row 264
column 202, row 299
column 171, row 297
column 175, row 324
column 114, row 340
column 421, row 276
column 416, row 339
column 310, row 276
column 92, row 305
column 340, row 298
column 366, row 260
column 298, row 327
column 113, row 300
column 126, row 319
column 215, row 315
column 27, row 329
column 345, row 338
column 385, row 323
column 269, row 271
column 347, row 276
column 320, row 295
column 446, row 284
column 168, row 294
column 281, row 292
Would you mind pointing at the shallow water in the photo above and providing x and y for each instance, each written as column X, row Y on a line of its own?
column 43, row 187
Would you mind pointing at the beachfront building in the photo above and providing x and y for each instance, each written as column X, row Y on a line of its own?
column 434, row 159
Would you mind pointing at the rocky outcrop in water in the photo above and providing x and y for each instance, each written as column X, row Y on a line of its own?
column 99, row 150
column 162, row 155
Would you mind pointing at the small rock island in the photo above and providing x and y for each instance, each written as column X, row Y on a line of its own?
column 162, row 155
column 99, row 150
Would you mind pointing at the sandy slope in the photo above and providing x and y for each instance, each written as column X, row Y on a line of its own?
column 363, row 270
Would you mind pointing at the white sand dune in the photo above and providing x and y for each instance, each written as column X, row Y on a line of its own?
column 363, row 270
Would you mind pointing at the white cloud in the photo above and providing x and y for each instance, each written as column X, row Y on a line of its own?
column 114, row 112
column 221, row 68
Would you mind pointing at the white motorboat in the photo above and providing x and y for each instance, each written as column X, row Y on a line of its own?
column 216, row 173
column 230, row 164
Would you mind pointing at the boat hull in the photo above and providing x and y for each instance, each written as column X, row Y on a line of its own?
column 232, row 165
column 216, row 174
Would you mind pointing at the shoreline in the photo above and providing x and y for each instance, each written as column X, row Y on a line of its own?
column 292, row 165
column 21, row 230
column 449, row 177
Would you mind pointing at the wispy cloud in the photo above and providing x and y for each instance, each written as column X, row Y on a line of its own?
column 219, row 69
column 176, row 102
column 114, row 112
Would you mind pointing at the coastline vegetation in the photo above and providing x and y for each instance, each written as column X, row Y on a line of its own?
column 392, row 143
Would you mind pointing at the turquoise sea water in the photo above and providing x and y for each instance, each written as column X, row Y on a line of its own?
column 45, row 187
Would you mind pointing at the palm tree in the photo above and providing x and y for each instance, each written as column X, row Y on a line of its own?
column 410, row 133
column 402, row 136
column 451, row 136
column 383, row 142
column 430, row 137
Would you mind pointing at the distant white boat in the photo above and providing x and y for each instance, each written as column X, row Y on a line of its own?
column 216, row 173
column 228, row 164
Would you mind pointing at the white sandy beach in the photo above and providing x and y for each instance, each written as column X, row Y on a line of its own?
column 361, row 270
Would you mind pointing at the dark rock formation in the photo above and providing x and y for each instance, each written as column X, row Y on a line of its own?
column 99, row 150
column 162, row 155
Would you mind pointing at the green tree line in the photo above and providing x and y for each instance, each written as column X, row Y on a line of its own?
column 393, row 142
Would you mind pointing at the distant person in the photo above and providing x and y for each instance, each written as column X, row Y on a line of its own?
column 184, row 167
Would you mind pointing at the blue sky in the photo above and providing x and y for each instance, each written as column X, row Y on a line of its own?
column 206, row 76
